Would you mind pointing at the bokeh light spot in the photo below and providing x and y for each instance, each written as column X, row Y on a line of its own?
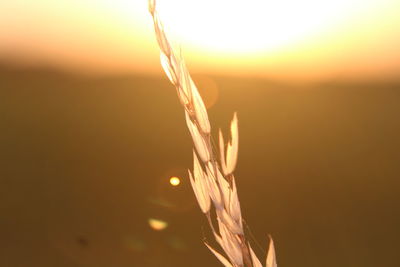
column 177, row 243
column 136, row 244
column 174, row 181
column 208, row 88
column 157, row 224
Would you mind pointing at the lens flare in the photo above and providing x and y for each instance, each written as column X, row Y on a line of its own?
column 157, row 224
column 174, row 181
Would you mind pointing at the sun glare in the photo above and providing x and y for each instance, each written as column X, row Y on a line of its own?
column 285, row 38
column 253, row 25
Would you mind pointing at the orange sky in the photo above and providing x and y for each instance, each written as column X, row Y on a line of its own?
column 307, row 39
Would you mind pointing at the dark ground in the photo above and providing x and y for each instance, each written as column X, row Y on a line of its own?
column 84, row 163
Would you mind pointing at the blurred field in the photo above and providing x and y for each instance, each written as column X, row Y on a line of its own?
column 85, row 162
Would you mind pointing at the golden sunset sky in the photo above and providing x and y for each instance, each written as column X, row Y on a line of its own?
column 287, row 38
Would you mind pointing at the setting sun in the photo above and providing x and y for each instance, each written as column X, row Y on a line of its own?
column 253, row 26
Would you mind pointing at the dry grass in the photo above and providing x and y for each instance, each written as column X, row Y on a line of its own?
column 212, row 179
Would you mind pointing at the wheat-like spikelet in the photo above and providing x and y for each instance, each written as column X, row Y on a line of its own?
column 212, row 179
